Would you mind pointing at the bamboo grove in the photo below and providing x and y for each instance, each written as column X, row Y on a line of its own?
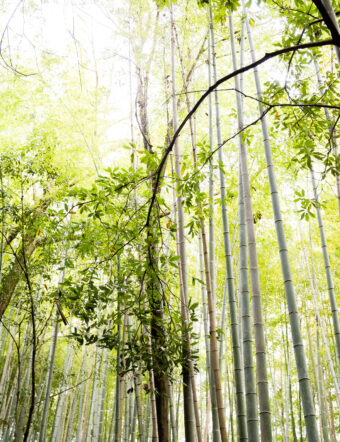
column 170, row 221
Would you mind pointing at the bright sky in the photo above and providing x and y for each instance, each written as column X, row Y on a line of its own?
column 79, row 33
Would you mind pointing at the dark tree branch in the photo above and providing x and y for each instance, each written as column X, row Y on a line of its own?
column 227, row 77
column 328, row 22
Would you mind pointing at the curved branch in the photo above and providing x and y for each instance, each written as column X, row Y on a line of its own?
column 227, row 77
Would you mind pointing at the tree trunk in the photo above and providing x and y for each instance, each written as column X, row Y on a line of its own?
column 189, row 419
column 215, row 424
column 58, row 426
column 329, row 277
column 300, row 357
column 240, row 407
column 246, row 213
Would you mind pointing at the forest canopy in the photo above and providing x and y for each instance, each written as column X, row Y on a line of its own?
column 170, row 220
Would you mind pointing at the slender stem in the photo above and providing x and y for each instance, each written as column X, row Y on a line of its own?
column 300, row 357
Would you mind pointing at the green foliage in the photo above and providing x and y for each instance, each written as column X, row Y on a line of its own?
column 307, row 205
column 104, row 260
column 221, row 5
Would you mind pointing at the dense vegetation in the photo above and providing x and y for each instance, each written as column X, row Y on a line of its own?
column 170, row 221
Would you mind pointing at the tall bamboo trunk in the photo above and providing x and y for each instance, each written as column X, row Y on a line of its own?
column 213, row 342
column 311, row 346
column 246, row 215
column 81, row 395
column 240, row 406
column 93, row 428
column 313, row 284
column 277, row 408
column 261, row 364
column 327, row 265
column 324, row 420
column 154, row 414
column 57, row 430
column 102, row 395
column 74, row 395
column 215, row 424
column 51, row 358
column 189, row 419
column 216, row 433
column 137, row 381
column 300, row 357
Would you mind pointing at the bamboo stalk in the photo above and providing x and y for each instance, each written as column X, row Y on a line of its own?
column 300, row 357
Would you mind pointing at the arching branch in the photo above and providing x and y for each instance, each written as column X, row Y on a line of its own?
column 227, row 77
